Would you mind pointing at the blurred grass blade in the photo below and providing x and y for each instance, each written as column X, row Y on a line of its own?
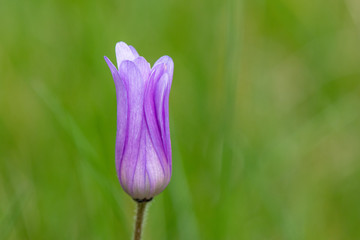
column 86, row 150
column 10, row 218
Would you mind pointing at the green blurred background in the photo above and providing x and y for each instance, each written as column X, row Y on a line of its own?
column 265, row 111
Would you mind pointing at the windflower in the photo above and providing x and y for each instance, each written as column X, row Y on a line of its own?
column 143, row 148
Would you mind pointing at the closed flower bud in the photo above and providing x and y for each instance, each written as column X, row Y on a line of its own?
column 143, row 148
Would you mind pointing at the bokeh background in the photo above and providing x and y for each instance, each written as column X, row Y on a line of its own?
column 265, row 111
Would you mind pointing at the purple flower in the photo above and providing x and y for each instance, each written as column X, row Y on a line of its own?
column 143, row 148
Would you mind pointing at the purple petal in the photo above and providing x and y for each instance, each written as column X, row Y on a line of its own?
column 157, row 173
column 123, row 52
column 122, row 106
column 166, row 139
column 168, row 63
column 114, row 71
column 143, row 66
column 164, row 104
column 149, row 178
column 140, row 188
column 161, row 96
column 133, row 50
column 151, row 117
column 131, row 74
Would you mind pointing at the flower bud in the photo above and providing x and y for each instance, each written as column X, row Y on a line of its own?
column 143, row 148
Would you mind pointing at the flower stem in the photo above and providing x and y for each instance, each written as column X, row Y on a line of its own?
column 139, row 219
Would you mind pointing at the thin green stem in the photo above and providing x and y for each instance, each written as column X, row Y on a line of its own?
column 139, row 219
